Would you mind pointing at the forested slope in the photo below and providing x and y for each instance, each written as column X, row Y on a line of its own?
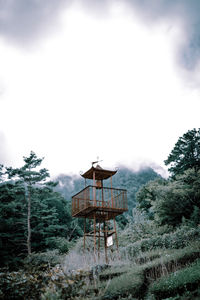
column 36, row 213
column 159, row 256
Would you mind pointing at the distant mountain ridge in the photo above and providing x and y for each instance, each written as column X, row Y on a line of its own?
column 124, row 178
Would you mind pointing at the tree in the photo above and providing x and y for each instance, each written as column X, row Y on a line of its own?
column 29, row 176
column 51, row 220
column 185, row 154
column 12, row 223
column 1, row 173
column 147, row 195
column 178, row 199
column 172, row 204
column 170, row 201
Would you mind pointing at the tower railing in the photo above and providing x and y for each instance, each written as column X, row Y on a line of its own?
column 99, row 198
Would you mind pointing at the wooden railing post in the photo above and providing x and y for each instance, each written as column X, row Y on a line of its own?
column 104, row 197
column 105, row 240
column 94, row 189
column 111, row 191
column 84, row 234
column 94, row 237
column 102, row 193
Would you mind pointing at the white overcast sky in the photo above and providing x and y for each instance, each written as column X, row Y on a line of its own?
column 81, row 79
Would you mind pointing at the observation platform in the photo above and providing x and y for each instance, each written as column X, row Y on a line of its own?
column 106, row 203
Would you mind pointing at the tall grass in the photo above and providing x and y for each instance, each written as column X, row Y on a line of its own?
column 87, row 261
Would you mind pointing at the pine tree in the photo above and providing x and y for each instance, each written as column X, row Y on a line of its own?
column 185, row 154
column 29, row 177
column 12, row 223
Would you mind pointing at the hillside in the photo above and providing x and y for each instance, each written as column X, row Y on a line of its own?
column 158, row 257
column 162, row 266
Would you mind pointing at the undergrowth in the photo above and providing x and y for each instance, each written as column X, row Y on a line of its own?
column 136, row 278
column 178, row 282
column 181, row 238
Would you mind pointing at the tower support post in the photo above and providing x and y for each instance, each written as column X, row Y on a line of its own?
column 105, row 240
column 84, row 234
column 116, row 239
column 99, row 241
column 94, row 237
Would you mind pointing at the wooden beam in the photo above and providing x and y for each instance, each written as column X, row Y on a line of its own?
column 94, row 237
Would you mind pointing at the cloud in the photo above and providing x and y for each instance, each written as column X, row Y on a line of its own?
column 181, row 13
column 3, row 149
column 24, row 21
column 2, row 91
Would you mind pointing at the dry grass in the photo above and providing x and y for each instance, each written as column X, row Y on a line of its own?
column 86, row 261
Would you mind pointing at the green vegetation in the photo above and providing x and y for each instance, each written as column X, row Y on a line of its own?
column 33, row 217
column 185, row 154
column 178, row 239
column 35, row 214
column 138, row 275
column 130, row 283
column 159, row 238
column 178, row 282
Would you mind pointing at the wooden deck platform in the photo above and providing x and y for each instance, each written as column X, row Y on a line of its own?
column 105, row 202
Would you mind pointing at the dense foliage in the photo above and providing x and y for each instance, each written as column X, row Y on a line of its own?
column 185, row 154
column 177, row 199
column 35, row 214
column 32, row 215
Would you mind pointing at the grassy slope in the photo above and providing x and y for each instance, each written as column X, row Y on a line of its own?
column 156, row 273
column 139, row 276
column 149, row 260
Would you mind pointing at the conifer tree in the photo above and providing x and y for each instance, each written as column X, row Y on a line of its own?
column 29, row 176
column 185, row 154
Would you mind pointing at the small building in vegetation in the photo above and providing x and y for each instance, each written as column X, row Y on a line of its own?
column 100, row 204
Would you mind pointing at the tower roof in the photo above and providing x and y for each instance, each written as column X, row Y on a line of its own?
column 100, row 174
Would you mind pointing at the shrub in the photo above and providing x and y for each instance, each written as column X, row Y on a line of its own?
column 114, row 271
column 130, row 283
column 181, row 238
column 51, row 294
column 177, row 283
column 171, row 261
column 60, row 243
column 42, row 259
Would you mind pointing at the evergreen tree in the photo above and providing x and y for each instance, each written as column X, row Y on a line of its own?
column 185, row 154
column 12, row 223
column 29, row 176
column 51, row 220
column 1, row 172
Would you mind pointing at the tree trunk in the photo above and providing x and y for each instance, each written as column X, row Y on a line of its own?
column 29, row 224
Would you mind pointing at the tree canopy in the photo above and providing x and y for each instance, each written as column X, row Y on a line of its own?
column 185, row 154
column 178, row 198
column 33, row 216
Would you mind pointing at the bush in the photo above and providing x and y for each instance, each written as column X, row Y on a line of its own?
column 171, row 261
column 181, row 238
column 130, row 283
column 60, row 243
column 43, row 259
column 179, row 282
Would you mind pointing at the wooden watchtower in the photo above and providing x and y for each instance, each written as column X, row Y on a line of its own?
column 100, row 204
